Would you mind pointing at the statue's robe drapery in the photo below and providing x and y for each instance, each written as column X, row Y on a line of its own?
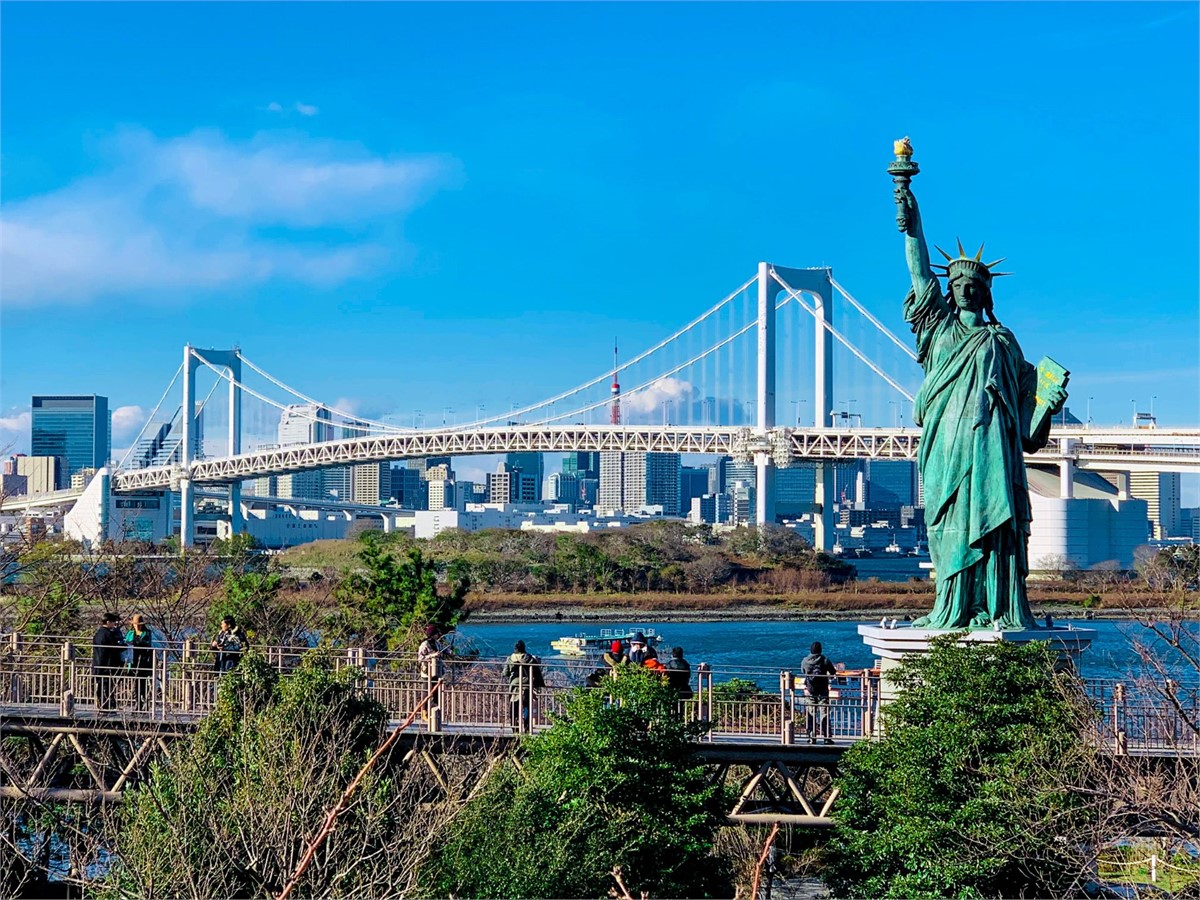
column 974, row 408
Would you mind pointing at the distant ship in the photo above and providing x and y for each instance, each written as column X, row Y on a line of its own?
column 596, row 644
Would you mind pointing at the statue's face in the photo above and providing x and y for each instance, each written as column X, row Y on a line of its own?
column 969, row 294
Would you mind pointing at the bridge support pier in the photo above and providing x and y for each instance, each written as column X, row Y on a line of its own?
column 1066, row 469
column 824, row 523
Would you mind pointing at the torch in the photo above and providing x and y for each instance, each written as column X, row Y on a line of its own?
column 902, row 171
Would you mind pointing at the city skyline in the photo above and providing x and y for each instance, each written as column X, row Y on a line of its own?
column 490, row 232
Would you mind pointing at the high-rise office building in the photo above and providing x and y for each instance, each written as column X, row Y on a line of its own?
column 531, row 466
column 564, row 487
column 406, row 488
column 75, row 428
column 693, row 482
column 1160, row 490
column 371, row 483
column 585, row 465
column 891, row 483
column 422, row 464
column 629, row 481
column 305, row 423
column 441, row 493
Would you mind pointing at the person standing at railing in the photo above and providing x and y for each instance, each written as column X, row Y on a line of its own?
column 638, row 651
column 816, row 669
column 229, row 645
column 108, row 650
column 616, row 656
column 430, row 651
column 524, row 674
column 140, row 664
column 679, row 674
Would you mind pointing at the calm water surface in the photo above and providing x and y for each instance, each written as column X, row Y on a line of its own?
column 778, row 645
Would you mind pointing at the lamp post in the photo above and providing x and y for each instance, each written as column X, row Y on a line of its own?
column 1133, row 421
column 416, row 416
column 895, row 413
column 447, row 411
column 1089, row 413
column 1153, row 397
column 479, row 408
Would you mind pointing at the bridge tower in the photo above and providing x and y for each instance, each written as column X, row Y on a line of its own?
column 231, row 362
column 817, row 284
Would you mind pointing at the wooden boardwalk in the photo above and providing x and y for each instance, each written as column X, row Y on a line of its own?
column 48, row 698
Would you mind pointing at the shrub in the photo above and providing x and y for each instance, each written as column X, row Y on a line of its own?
column 968, row 795
column 614, row 782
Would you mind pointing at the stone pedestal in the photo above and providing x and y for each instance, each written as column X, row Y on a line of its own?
column 890, row 645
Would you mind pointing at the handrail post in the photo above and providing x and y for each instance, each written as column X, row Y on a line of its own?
column 787, row 734
column 163, row 683
column 66, row 670
column 189, row 682
column 1120, row 736
column 435, row 702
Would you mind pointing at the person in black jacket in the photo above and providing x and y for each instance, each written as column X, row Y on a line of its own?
column 140, row 665
column 816, row 669
column 108, row 648
column 679, row 674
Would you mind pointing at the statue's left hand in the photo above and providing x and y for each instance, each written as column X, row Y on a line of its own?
column 1056, row 396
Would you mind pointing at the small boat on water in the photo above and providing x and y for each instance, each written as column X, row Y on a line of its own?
column 583, row 644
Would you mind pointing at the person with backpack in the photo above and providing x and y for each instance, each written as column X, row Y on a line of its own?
column 229, row 645
column 816, row 669
column 524, row 674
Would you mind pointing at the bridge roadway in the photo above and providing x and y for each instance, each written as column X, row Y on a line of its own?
column 48, row 701
column 1087, row 448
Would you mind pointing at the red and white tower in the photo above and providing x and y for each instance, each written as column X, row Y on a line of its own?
column 616, row 390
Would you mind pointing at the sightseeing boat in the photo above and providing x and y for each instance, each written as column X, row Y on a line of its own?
column 584, row 644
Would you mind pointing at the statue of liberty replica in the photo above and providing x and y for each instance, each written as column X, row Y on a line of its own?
column 981, row 407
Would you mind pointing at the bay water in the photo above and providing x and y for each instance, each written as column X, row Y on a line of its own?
column 759, row 649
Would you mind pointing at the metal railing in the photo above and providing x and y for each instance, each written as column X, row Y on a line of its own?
column 55, row 677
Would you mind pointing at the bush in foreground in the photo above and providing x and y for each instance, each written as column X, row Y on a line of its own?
column 970, row 792
column 615, row 782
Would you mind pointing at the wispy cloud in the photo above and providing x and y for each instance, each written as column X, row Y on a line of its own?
column 304, row 109
column 193, row 212
column 14, row 431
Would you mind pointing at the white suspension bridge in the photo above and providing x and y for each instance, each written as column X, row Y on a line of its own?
column 715, row 386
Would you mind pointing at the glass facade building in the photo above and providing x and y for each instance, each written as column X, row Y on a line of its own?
column 76, row 429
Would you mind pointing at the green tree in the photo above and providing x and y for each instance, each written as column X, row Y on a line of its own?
column 230, row 812
column 615, row 781
column 389, row 596
column 969, row 793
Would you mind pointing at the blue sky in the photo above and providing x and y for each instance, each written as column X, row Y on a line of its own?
column 404, row 206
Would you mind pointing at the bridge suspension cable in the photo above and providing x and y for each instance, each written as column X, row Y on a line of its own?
column 620, row 368
column 874, row 321
column 356, row 422
column 667, row 374
column 837, row 334
column 150, row 418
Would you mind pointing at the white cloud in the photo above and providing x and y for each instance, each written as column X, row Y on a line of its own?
column 127, row 421
column 654, row 398
column 14, row 431
column 304, row 109
column 192, row 212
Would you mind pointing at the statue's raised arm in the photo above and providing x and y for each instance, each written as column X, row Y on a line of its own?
column 908, row 218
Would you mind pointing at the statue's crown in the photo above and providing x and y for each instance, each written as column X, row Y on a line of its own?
column 967, row 267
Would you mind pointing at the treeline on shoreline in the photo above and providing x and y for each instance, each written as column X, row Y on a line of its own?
column 665, row 557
